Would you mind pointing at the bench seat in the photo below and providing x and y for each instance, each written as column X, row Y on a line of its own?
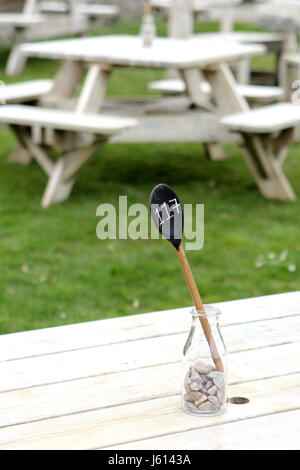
column 21, row 19
column 54, row 7
column 24, row 115
column 263, row 94
column 265, row 120
column 89, row 9
column 24, row 91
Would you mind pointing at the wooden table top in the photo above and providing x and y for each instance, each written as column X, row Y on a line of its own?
column 198, row 5
column 126, row 50
column 116, row 383
column 245, row 37
column 21, row 19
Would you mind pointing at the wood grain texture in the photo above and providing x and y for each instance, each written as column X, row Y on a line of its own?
column 103, row 390
column 267, row 119
column 272, row 432
column 125, row 50
column 137, row 421
column 24, row 91
column 123, row 356
column 106, row 395
column 137, row 327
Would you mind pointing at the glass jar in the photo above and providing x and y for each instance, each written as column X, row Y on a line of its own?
column 148, row 27
column 204, row 366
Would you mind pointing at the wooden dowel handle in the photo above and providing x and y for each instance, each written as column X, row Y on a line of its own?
column 199, row 306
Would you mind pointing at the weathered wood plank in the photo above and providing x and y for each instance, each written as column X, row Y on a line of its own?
column 272, row 432
column 20, row 19
column 122, row 50
column 116, row 330
column 247, row 365
column 138, row 421
column 267, row 119
column 55, row 400
column 252, row 92
column 24, row 91
column 110, row 390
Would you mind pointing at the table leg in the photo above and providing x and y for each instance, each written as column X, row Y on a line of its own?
column 65, row 84
column 94, row 89
column 62, row 173
column 262, row 152
column 62, row 178
column 20, row 155
column 91, row 98
column 192, row 79
column 34, row 150
column 180, row 19
column 75, row 149
column 243, row 71
column 224, row 90
column 286, row 69
column 265, row 157
column 90, row 101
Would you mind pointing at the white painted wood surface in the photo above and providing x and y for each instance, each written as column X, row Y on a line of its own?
column 90, row 9
column 267, row 119
column 164, row 53
column 25, row 115
column 24, row 91
column 198, row 5
column 36, row 126
column 116, row 383
column 251, row 92
column 21, row 19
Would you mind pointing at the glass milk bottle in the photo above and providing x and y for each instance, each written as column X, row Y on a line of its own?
column 204, row 366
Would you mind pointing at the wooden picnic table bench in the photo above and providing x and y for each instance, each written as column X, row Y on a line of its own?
column 181, row 15
column 253, row 93
column 100, row 55
column 20, row 20
column 23, row 92
column 197, row 5
column 45, row 19
column 88, row 9
column 33, row 125
column 115, row 383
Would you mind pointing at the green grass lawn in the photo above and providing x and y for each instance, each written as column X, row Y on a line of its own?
column 55, row 271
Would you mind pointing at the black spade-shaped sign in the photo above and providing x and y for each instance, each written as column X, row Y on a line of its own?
column 167, row 214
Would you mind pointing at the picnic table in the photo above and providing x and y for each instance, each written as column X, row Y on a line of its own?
column 18, row 23
column 115, row 383
column 198, row 5
column 100, row 55
column 45, row 19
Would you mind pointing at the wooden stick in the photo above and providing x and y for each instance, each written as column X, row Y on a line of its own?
column 200, row 307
